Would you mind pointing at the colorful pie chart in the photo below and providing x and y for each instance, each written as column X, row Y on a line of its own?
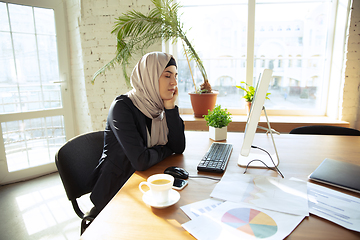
column 250, row 221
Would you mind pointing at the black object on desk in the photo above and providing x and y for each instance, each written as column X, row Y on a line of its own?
column 177, row 172
column 216, row 158
column 339, row 174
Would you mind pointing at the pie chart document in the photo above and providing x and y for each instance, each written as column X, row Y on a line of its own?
column 242, row 221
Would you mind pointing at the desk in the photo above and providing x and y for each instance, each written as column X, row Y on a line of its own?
column 127, row 217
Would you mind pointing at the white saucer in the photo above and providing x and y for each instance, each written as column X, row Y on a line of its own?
column 174, row 197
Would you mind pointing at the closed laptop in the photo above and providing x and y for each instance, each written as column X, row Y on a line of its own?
column 337, row 173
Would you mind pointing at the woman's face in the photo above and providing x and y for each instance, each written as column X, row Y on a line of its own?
column 168, row 83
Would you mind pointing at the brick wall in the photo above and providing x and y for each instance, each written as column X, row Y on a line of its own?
column 351, row 91
column 92, row 45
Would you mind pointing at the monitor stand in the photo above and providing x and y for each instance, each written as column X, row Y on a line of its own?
column 257, row 154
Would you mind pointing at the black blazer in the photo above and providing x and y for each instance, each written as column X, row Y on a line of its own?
column 125, row 148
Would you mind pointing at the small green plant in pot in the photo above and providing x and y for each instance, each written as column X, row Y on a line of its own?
column 249, row 94
column 218, row 120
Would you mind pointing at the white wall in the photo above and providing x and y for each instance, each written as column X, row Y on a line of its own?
column 92, row 45
column 351, row 91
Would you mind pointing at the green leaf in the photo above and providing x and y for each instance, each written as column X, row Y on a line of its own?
column 250, row 92
column 218, row 117
column 136, row 31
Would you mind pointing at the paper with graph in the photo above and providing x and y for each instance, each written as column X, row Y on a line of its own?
column 276, row 194
column 231, row 220
column 199, row 208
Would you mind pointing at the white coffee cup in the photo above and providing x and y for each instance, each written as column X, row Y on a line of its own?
column 160, row 186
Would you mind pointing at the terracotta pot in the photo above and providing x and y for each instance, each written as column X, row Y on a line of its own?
column 248, row 107
column 202, row 102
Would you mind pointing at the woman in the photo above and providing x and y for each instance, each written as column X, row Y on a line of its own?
column 143, row 126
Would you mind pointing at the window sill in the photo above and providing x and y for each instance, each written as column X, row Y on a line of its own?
column 283, row 124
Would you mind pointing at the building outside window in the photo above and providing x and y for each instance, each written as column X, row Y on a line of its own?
column 287, row 35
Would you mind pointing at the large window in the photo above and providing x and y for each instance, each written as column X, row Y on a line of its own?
column 29, row 68
column 293, row 38
column 35, row 113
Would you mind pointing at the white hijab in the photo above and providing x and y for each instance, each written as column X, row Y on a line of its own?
column 145, row 94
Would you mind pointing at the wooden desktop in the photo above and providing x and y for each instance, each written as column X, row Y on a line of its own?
column 128, row 217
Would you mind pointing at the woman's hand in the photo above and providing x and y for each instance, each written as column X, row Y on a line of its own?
column 170, row 103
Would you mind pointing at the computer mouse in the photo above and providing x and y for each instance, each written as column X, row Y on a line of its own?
column 177, row 172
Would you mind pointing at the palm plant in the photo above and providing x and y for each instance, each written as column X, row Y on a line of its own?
column 136, row 31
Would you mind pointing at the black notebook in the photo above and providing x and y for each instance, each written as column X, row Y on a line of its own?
column 339, row 174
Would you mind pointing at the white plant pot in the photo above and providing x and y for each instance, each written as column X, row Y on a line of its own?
column 218, row 134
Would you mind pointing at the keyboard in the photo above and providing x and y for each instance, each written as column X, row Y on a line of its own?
column 216, row 158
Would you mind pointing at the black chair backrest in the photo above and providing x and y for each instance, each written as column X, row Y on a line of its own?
column 325, row 130
column 76, row 160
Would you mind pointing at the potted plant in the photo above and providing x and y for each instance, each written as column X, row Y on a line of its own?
column 218, row 120
column 137, row 31
column 249, row 94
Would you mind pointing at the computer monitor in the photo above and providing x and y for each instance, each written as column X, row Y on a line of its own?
column 248, row 153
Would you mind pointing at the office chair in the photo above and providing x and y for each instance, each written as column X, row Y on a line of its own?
column 75, row 161
column 325, row 130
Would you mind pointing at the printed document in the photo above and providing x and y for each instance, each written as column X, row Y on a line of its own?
column 334, row 206
column 199, row 208
column 275, row 194
column 232, row 221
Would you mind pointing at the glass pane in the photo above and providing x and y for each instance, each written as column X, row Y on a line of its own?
column 44, row 21
column 218, row 33
column 31, row 91
column 21, row 18
column 48, row 59
column 27, row 64
column 31, row 98
column 38, row 152
column 4, row 18
column 29, row 68
column 7, row 67
column 28, row 75
column 55, row 133
column 290, row 38
column 9, row 98
column 15, row 145
column 293, row 44
column 32, row 142
column 52, row 96
column 31, row 86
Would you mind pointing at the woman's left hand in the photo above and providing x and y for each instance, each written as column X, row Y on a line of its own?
column 170, row 103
